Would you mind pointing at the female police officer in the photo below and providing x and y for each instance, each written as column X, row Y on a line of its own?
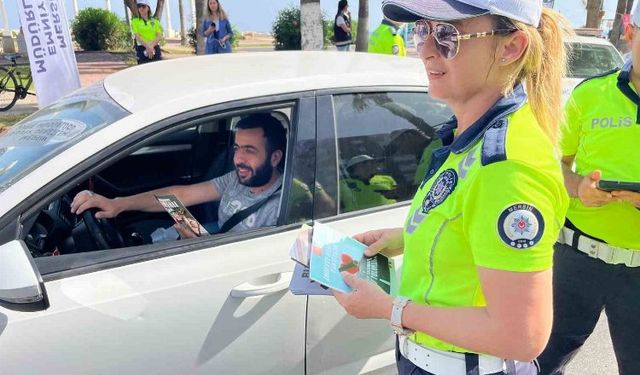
column 479, row 236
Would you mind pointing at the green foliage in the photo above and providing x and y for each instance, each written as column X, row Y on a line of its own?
column 354, row 30
column 286, row 29
column 237, row 35
column 192, row 37
column 99, row 30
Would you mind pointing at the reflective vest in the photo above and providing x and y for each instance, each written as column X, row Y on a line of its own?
column 386, row 40
column 493, row 197
column 602, row 130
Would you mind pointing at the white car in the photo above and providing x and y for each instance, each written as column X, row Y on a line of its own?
column 588, row 57
column 86, row 296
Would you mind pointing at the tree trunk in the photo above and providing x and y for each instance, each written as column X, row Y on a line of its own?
column 201, row 12
column 127, row 14
column 183, row 30
column 133, row 7
column 624, row 7
column 159, row 9
column 593, row 11
column 362, row 40
column 311, row 25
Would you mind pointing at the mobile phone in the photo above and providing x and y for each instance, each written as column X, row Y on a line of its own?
column 608, row 185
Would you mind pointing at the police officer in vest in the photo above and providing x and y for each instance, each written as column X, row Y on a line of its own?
column 342, row 27
column 475, row 294
column 386, row 39
column 597, row 259
column 365, row 187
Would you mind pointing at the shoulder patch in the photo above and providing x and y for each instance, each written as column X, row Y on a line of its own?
column 395, row 49
column 442, row 187
column 612, row 71
column 494, row 143
column 520, row 226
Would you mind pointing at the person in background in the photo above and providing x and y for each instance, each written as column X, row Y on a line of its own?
column 365, row 187
column 475, row 295
column 597, row 258
column 386, row 39
column 147, row 32
column 342, row 27
column 216, row 28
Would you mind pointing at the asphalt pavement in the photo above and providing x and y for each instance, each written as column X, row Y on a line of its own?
column 596, row 357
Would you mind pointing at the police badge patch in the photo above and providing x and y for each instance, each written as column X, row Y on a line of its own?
column 521, row 226
column 442, row 187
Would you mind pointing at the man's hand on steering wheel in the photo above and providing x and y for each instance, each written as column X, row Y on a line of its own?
column 107, row 208
column 96, row 212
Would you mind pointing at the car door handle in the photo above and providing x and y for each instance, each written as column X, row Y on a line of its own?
column 274, row 283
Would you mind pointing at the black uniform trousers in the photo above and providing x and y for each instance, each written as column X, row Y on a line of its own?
column 583, row 287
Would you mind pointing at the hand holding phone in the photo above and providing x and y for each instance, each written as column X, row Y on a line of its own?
column 609, row 185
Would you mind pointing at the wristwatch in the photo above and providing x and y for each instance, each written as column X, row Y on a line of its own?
column 396, row 316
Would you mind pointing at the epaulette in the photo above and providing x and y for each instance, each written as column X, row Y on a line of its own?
column 494, row 142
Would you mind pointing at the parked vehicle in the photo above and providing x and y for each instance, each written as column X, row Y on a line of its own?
column 216, row 304
column 588, row 57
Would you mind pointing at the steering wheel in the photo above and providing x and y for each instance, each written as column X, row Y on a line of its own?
column 103, row 232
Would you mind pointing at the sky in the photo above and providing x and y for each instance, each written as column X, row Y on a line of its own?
column 258, row 15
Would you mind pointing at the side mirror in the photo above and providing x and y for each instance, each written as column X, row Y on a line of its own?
column 21, row 285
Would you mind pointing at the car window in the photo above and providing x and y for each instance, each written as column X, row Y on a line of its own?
column 199, row 151
column 384, row 145
column 587, row 60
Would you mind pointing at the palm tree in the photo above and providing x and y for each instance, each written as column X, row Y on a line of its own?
column 183, row 31
column 159, row 9
column 201, row 9
column 311, row 27
column 594, row 13
column 133, row 7
column 624, row 7
column 362, row 39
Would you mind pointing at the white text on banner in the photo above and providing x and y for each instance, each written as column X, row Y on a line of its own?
column 53, row 63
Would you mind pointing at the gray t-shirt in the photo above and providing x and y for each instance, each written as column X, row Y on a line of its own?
column 237, row 197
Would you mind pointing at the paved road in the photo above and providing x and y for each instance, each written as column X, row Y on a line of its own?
column 596, row 357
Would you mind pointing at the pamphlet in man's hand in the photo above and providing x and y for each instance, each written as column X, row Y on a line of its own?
column 332, row 253
column 180, row 214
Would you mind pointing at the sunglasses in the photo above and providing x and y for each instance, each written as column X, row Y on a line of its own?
column 141, row 5
column 446, row 37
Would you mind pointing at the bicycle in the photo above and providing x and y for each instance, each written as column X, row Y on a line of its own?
column 14, row 84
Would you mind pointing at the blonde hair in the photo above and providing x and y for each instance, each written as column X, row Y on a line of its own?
column 542, row 68
column 221, row 13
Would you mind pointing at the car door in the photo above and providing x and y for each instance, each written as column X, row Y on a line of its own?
column 209, row 305
column 394, row 129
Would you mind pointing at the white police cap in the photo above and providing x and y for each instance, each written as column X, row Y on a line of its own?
column 527, row 11
column 357, row 160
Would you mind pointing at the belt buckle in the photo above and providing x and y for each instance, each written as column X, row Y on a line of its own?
column 594, row 251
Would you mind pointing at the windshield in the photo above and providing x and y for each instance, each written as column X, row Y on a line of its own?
column 587, row 60
column 36, row 139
